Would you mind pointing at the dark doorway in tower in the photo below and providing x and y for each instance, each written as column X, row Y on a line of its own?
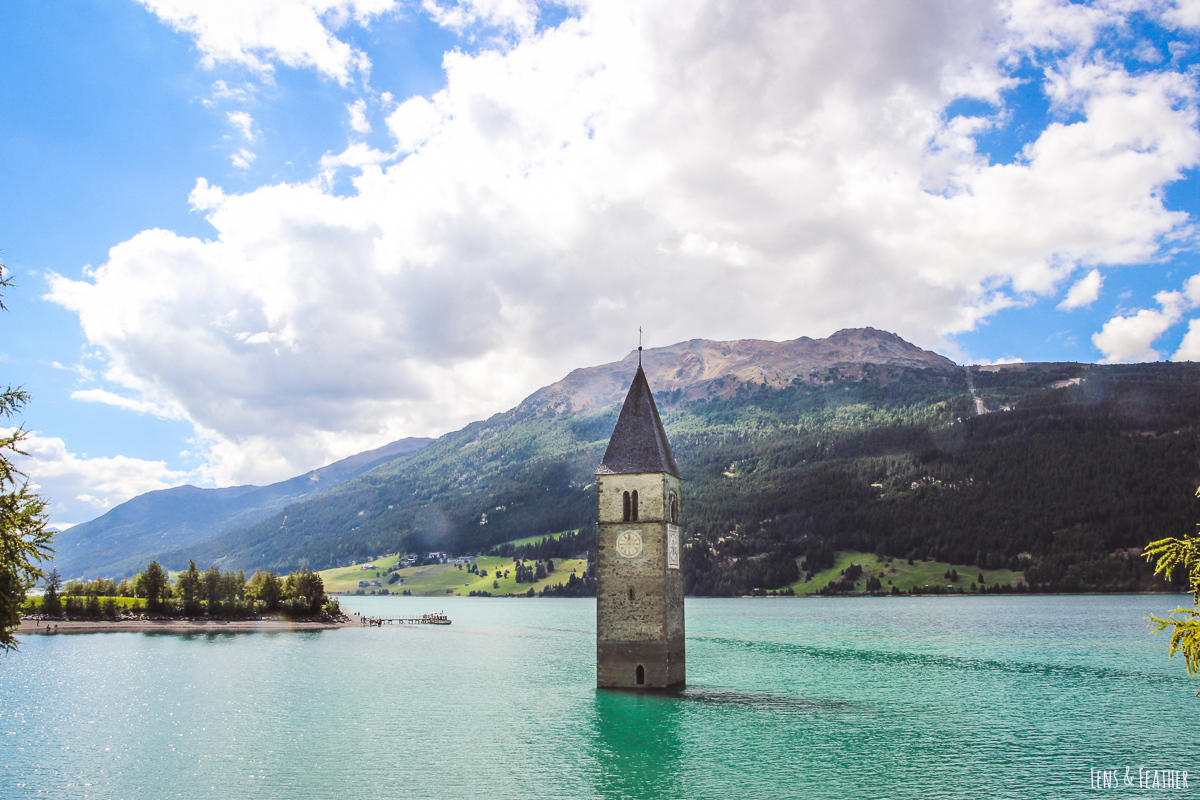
column 641, row 675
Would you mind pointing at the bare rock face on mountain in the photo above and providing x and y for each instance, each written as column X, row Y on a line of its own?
column 704, row 368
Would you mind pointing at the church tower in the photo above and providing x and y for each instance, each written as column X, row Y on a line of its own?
column 639, row 575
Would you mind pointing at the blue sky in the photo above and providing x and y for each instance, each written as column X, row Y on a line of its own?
column 250, row 238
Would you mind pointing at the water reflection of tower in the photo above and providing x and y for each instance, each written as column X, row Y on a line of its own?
column 639, row 745
column 639, row 576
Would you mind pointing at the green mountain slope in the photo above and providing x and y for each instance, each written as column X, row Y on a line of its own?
column 1060, row 485
column 125, row 538
column 518, row 473
column 791, row 460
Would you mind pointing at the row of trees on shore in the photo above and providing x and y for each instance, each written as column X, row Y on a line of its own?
column 193, row 593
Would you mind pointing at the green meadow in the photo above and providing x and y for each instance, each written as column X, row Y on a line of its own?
column 448, row 580
column 903, row 575
column 453, row 580
column 343, row 580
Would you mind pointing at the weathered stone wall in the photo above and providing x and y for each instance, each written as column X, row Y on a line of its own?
column 651, row 489
column 617, row 663
column 645, row 628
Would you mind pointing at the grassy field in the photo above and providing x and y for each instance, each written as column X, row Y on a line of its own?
column 448, row 580
column 898, row 572
column 345, row 579
column 534, row 539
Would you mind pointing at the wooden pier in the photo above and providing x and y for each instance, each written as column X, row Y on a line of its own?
column 424, row 619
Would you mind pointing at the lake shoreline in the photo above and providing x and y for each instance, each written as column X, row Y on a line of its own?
column 32, row 627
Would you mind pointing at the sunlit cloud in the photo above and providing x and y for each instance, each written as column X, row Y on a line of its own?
column 1083, row 292
column 1130, row 337
column 715, row 170
column 81, row 488
column 358, row 116
column 244, row 124
column 255, row 35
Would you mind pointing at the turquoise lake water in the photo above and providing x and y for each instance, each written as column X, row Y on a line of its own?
column 995, row 697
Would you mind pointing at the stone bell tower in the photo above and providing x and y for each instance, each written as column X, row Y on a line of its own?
column 639, row 575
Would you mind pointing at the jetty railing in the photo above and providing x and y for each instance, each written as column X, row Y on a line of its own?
column 424, row 619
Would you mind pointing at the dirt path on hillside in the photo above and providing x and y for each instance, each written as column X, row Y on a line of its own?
column 979, row 406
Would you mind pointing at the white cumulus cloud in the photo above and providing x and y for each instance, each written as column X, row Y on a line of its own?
column 413, row 122
column 81, row 488
column 1189, row 346
column 1131, row 337
column 516, row 16
column 128, row 403
column 702, row 169
column 244, row 124
column 296, row 33
column 358, row 116
column 243, row 158
column 1083, row 292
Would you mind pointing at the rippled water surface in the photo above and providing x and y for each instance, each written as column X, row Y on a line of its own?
column 1015, row 697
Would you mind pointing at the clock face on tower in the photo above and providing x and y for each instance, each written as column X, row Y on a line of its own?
column 629, row 544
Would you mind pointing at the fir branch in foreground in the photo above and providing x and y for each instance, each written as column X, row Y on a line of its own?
column 1169, row 555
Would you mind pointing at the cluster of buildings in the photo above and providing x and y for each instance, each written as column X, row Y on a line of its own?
column 411, row 559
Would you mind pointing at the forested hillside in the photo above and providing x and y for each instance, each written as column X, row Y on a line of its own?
column 123, row 540
column 1071, row 467
column 1061, row 484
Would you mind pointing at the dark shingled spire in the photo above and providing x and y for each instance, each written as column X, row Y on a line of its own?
column 638, row 443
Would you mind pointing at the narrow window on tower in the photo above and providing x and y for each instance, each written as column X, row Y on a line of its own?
column 626, row 516
column 674, row 518
column 631, row 594
column 633, row 507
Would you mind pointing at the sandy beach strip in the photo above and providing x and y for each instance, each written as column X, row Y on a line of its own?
column 31, row 627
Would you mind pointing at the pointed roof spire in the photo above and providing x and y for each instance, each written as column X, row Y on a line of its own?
column 639, row 443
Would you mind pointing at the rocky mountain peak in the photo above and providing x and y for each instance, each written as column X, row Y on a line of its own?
column 706, row 368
